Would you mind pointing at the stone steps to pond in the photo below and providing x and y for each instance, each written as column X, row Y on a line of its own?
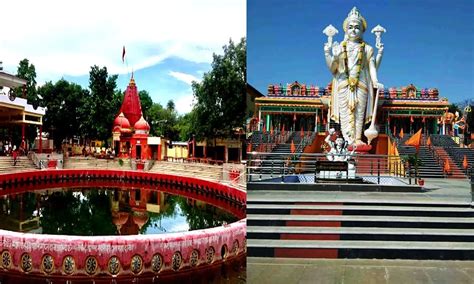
column 309, row 228
column 209, row 172
column 22, row 164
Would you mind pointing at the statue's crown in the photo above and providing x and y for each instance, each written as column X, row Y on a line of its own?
column 354, row 15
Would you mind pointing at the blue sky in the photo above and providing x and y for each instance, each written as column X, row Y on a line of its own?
column 168, row 43
column 428, row 43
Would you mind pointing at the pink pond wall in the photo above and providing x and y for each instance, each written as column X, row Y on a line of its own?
column 118, row 255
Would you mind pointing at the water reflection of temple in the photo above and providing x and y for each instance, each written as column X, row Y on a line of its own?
column 130, row 208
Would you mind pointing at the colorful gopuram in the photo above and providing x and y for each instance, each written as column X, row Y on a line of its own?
column 305, row 107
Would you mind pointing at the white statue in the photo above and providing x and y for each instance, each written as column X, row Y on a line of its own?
column 338, row 150
column 353, row 65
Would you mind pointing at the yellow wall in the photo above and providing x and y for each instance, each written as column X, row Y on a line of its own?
column 177, row 151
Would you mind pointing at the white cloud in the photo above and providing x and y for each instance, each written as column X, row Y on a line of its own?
column 184, row 103
column 66, row 38
column 187, row 78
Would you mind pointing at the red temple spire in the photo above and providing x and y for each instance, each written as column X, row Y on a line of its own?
column 131, row 106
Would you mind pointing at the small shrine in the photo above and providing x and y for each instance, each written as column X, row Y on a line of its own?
column 130, row 130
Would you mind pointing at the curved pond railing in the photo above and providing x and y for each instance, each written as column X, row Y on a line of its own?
column 116, row 256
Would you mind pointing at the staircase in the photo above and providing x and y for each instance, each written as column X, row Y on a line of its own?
column 274, row 162
column 430, row 167
column 455, row 152
column 22, row 164
column 455, row 171
column 383, row 230
column 203, row 171
column 94, row 163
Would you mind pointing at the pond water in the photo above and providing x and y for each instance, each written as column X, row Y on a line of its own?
column 107, row 211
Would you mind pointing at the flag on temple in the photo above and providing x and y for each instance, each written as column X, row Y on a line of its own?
column 394, row 130
column 401, row 133
column 393, row 149
column 249, row 147
column 414, row 140
column 302, row 133
column 447, row 167
column 283, row 129
column 123, row 54
column 464, row 162
column 411, row 119
column 271, row 130
column 294, row 117
column 428, row 142
column 423, row 120
column 264, row 130
column 292, row 147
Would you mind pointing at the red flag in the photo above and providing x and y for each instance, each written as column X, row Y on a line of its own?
column 249, row 147
column 415, row 140
column 464, row 162
column 264, row 130
column 411, row 119
column 123, row 54
column 271, row 130
column 294, row 117
column 302, row 133
column 283, row 129
column 428, row 142
column 447, row 167
column 401, row 133
column 292, row 147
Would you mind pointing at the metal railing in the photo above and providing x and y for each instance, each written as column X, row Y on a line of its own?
column 280, row 165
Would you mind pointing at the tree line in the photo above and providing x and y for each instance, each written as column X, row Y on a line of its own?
column 89, row 112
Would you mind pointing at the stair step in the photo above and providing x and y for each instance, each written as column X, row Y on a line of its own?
column 385, row 245
column 358, row 230
column 361, row 207
column 356, row 218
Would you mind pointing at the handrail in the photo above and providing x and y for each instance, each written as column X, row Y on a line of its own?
column 283, row 163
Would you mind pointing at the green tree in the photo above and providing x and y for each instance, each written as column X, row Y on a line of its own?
column 170, row 105
column 453, row 108
column 146, row 103
column 100, row 105
column 185, row 126
column 27, row 71
column 62, row 100
column 163, row 122
column 220, row 97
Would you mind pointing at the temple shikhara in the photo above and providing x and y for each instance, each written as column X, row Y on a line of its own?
column 130, row 129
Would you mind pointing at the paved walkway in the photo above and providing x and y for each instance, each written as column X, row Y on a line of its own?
column 439, row 191
column 290, row 270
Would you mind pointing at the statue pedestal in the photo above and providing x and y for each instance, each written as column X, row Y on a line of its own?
column 361, row 149
column 329, row 175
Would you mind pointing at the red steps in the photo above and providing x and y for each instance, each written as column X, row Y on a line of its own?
column 455, row 171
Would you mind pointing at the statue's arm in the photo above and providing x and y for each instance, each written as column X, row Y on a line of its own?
column 372, row 68
column 378, row 58
column 331, row 61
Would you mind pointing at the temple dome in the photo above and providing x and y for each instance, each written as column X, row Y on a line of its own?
column 141, row 127
column 121, row 124
column 140, row 218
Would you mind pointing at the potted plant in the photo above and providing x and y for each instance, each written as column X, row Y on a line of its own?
column 414, row 162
